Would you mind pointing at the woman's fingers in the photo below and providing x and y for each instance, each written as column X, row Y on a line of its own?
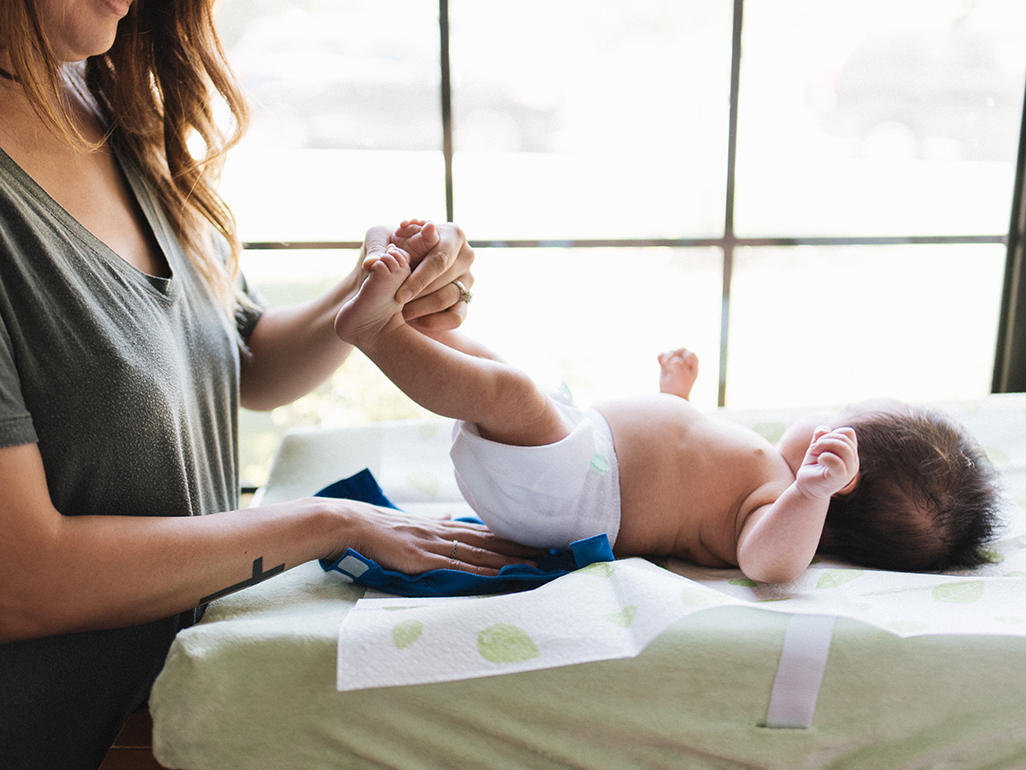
column 461, row 555
column 436, row 294
column 447, row 298
column 414, row 544
column 479, row 537
column 469, row 558
column 450, row 259
column 459, row 269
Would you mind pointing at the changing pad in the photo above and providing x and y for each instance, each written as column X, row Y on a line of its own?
column 253, row 685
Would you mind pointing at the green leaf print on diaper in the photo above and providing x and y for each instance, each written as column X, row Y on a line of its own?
column 426, row 483
column 959, row 593
column 406, row 633
column 599, row 463
column 503, row 643
column 838, row 577
column 624, row 617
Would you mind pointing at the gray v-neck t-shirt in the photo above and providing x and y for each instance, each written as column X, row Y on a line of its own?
column 129, row 385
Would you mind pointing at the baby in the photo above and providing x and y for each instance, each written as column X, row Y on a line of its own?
column 881, row 484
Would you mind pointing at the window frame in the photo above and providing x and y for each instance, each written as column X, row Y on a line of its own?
column 1009, row 373
column 1010, row 356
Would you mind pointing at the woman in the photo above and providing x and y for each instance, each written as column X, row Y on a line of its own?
column 127, row 342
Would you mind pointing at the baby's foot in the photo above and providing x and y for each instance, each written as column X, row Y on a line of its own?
column 416, row 237
column 678, row 372
column 371, row 310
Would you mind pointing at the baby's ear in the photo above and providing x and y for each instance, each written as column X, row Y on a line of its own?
column 850, row 487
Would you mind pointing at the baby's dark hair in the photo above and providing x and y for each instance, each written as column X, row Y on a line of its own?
column 927, row 498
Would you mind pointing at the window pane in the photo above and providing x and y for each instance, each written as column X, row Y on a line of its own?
column 831, row 325
column 594, row 319
column 590, row 118
column 346, row 128
column 356, row 393
column 597, row 318
column 870, row 117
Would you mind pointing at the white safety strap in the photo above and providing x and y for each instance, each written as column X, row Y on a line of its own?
column 800, row 671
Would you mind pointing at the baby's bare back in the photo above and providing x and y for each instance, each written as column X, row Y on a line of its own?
column 688, row 480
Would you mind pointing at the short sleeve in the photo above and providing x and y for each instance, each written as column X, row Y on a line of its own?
column 249, row 303
column 15, row 421
column 248, row 309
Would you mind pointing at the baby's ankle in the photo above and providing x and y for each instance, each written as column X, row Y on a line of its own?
column 370, row 340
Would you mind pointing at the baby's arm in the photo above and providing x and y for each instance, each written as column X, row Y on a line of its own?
column 778, row 540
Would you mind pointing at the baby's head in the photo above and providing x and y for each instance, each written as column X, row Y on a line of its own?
column 926, row 499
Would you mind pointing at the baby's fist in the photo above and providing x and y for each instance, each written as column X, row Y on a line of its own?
column 831, row 462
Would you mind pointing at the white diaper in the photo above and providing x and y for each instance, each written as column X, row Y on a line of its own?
column 544, row 496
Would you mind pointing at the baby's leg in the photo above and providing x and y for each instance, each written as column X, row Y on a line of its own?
column 503, row 402
column 678, row 372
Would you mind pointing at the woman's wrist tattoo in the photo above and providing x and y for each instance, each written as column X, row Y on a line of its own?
column 258, row 576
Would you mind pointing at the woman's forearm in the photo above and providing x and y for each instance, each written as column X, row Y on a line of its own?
column 91, row 572
column 294, row 349
column 61, row 574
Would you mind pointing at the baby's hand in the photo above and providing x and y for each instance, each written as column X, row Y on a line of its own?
column 830, row 464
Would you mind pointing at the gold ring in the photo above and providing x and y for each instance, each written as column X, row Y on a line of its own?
column 465, row 295
column 455, row 545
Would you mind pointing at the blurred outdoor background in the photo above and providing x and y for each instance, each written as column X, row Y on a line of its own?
column 859, row 123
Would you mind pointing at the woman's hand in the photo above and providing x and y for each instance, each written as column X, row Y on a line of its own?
column 414, row 544
column 440, row 256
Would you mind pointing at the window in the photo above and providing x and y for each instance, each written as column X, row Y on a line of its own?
column 813, row 196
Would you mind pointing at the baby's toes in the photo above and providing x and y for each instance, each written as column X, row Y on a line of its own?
column 383, row 265
column 389, row 263
column 399, row 256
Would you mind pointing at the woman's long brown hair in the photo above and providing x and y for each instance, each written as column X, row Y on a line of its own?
column 156, row 89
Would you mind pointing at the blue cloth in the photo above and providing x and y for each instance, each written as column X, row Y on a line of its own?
column 450, row 582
